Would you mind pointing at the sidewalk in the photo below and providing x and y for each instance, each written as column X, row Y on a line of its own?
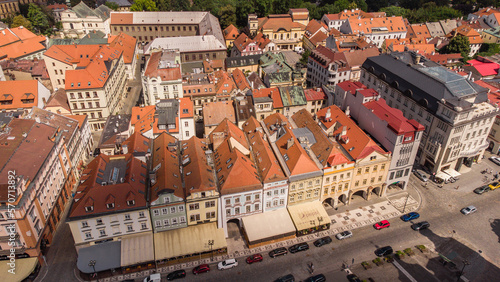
column 344, row 218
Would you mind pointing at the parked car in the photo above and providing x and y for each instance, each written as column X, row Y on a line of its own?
column 227, row 264
column 381, row 225
column 410, row 216
column 254, row 258
column 176, row 274
column 153, row 278
column 482, row 189
column 420, row 226
column 202, row 268
column 494, row 185
column 420, row 175
column 278, row 252
column 286, row 278
column 344, row 235
column 322, row 241
column 468, row 210
column 384, row 251
column 298, row 248
column 495, row 159
column 316, row 278
column 353, row 278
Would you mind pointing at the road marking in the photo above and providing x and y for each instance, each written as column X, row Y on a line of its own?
column 404, row 271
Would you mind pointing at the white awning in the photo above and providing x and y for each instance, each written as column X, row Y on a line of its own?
column 268, row 225
column 452, row 172
column 442, row 175
column 136, row 249
column 307, row 215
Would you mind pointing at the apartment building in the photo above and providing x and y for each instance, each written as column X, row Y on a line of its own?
column 316, row 99
column 162, row 77
column 475, row 40
column 264, row 100
column 116, row 130
column 454, row 111
column 304, row 174
column 80, row 20
column 22, row 95
column 275, row 189
column 40, row 191
column 315, row 35
column 376, row 29
column 246, row 46
column 371, row 162
column 186, row 26
column 230, row 34
column 285, row 31
column 215, row 112
column 337, row 166
column 21, row 44
column 94, row 78
column 168, row 207
column 174, row 117
column 8, row 8
column 240, row 193
column 275, row 71
column 336, row 20
column 494, row 134
column 200, row 187
column 390, row 128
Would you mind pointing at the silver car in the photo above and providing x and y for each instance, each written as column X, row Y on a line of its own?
column 344, row 235
column 468, row 210
column 495, row 159
column 420, row 175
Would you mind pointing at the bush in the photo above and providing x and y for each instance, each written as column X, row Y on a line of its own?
column 400, row 254
column 421, row 248
column 378, row 261
column 409, row 251
column 366, row 265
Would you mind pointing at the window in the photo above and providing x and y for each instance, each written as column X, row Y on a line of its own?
column 164, row 211
column 156, row 212
column 157, row 223
column 210, row 215
column 102, row 232
column 141, row 214
column 88, row 235
column 144, row 225
column 127, row 217
column 84, row 224
column 209, row 204
column 98, row 221
column 248, row 209
column 173, row 209
column 166, row 222
column 181, row 208
column 228, row 201
column 194, row 217
column 130, row 228
column 248, row 198
column 195, row 206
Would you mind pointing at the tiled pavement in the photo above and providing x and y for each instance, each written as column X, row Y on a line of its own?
column 388, row 207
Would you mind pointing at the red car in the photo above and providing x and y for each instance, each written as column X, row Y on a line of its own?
column 381, row 225
column 201, row 269
column 254, row 258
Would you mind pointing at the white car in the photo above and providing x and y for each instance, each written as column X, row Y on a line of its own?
column 227, row 264
column 496, row 160
column 468, row 210
column 344, row 235
column 420, row 175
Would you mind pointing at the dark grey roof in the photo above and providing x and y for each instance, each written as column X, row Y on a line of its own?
column 426, row 83
column 190, row 67
column 6, row 117
column 121, row 3
column 106, row 256
column 304, row 132
column 255, row 81
column 114, row 125
column 166, row 112
column 241, row 61
column 103, row 11
column 244, row 108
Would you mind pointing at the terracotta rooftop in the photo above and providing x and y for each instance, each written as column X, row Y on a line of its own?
column 227, row 129
column 125, row 186
column 215, row 112
column 153, row 69
column 235, row 172
column 137, row 144
column 18, row 94
column 59, row 99
column 240, row 80
column 351, row 86
column 356, row 143
column 124, row 43
column 198, row 174
column 230, row 32
column 370, row 25
column 394, row 117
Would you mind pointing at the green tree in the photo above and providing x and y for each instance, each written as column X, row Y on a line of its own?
column 341, row 5
column 227, row 16
column 305, row 57
column 263, row 7
column 243, row 8
column 143, row 5
column 112, row 5
column 19, row 20
column 458, row 44
column 361, row 4
column 376, row 5
column 395, row 11
column 180, row 5
column 163, row 5
column 488, row 49
column 38, row 19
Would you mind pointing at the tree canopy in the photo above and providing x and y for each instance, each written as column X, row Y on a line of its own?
column 143, row 5
column 458, row 44
column 38, row 19
column 19, row 20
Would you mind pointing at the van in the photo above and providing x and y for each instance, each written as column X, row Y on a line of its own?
column 153, row 278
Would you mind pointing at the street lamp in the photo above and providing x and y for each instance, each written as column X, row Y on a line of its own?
column 92, row 263
column 211, row 243
column 465, row 262
column 320, row 219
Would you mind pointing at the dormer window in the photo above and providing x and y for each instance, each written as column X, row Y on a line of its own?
column 130, row 203
column 110, row 205
column 89, row 208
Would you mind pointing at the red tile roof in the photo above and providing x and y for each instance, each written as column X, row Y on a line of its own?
column 394, row 117
column 227, row 129
column 236, row 173
column 186, row 108
column 230, row 32
column 267, row 164
column 58, row 99
column 296, row 158
column 198, row 174
column 18, row 94
column 351, row 86
column 23, row 47
column 277, row 22
column 126, row 44
column 166, row 74
column 356, row 143
column 224, row 85
column 216, row 112
column 168, row 175
column 103, row 168
column 240, row 80
column 315, row 94
column 467, row 31
column 137, row 143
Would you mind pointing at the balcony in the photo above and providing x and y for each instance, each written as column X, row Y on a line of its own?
column 472, row 152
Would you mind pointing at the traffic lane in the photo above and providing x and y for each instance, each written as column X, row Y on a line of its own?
column 327, row 259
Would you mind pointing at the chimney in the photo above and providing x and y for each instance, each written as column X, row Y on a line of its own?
column 289, row 143
column 328, row 115
column 347, row 111
column 344, row 130
column 417, row 59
